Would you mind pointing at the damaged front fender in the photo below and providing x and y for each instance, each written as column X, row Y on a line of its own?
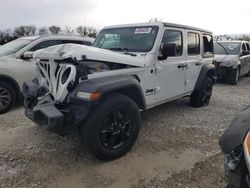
column 234, row 136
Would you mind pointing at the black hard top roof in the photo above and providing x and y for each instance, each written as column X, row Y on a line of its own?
column 185, row 27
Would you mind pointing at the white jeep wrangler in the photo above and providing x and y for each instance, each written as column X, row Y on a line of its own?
column 100, row 90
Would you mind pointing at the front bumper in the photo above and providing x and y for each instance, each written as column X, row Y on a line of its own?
column 47, row 116
column 223, row 72
column 55, row 117
column 236, row 170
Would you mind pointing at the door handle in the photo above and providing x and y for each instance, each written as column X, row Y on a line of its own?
column 182, row 65
column 198, row 63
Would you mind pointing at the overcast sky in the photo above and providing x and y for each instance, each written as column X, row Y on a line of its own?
column 219, row 16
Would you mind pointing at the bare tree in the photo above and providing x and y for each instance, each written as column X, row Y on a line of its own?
column 43, row 31
column 19, row 31
column 69, row 31
column 82, row 30
column 6, row 36
column 28, row 30
column 244, row 37
column 54, row 29
column 92, row 32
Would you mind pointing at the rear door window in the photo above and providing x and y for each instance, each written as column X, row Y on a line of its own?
column 243, row 47
column 193, row 40
column 247, row 46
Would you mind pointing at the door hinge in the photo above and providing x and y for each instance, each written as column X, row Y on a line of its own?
column 157, row 70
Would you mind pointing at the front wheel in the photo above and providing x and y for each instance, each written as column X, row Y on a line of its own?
column 234, row 76
column 202, row 96
column 112, row 127
column 247, row 74
column 7, row 97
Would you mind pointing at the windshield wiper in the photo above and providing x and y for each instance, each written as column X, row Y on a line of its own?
column 125, row 50
column 222, row 47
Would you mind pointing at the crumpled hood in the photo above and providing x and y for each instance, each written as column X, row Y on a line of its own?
column 81, row 52
column 225, row 58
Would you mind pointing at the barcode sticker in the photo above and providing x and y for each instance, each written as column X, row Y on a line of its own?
column 143, row 30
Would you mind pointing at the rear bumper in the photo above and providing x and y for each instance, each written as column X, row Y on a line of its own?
column 59, row 118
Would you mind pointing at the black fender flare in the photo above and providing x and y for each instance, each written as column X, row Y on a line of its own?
column 127, row 85
column 235, row 134
column 206, row 70
column 14, row 84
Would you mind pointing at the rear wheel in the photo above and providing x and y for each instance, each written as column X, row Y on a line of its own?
column 202, row 97
column 112, row 127
column 7, row 97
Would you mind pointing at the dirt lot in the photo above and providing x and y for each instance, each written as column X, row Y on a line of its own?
column 177, row 147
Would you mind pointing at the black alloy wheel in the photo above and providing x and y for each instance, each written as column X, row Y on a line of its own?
column 116, row 129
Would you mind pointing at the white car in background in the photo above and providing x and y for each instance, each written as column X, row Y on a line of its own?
column 17, row 65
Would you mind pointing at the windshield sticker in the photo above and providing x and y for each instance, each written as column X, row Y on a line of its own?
column 143, row 30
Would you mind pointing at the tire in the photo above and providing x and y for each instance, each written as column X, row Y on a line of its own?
column 112, row 127
column 237, row 178
column 247, row 74
column 202, row 97
column 7, row 97
column 234, row 76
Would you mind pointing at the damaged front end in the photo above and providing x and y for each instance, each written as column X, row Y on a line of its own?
column 62, row 95
column 47, row 98
column 235, row 145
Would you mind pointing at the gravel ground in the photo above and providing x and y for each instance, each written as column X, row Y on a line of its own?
column 177, row 147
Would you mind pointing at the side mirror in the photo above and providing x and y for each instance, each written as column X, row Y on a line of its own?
column 245, row 53
column 167, row 50
column 27, row 55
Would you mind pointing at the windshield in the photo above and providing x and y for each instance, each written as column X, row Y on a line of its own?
column 132, row 39
column 13, row 46
column 232, row 48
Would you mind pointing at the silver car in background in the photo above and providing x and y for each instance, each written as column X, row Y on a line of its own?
column 232, row 60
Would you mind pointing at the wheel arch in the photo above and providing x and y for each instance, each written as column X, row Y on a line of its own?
column 132, row 92
column 125, row 85
column 206, row 70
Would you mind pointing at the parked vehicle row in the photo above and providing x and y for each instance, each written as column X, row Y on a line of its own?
column 17, row 64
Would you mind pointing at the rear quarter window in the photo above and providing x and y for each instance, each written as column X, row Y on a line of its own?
column 44, row 44
column 208, row 48
column 77, row 42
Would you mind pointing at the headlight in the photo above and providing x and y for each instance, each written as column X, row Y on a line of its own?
column 90, row 96
column 246, row 147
